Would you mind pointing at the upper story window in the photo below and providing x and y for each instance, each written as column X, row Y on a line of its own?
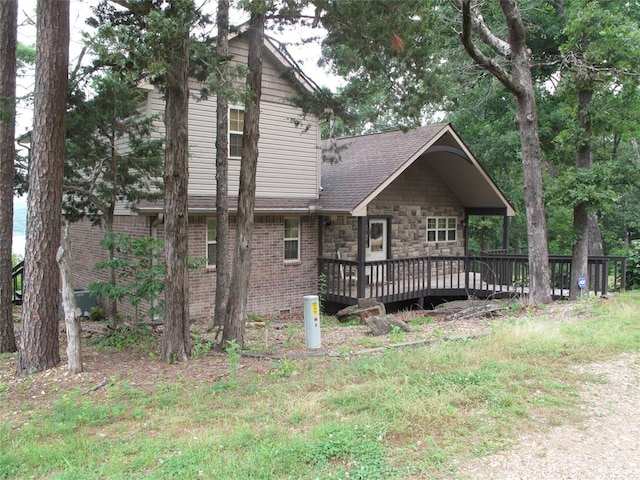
column 236, row 124
column 291, row 239
column 442, row 229
column 212, row 241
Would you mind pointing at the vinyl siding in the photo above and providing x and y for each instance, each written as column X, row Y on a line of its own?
column 289, row 159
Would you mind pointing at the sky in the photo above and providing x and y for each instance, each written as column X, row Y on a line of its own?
column 306, row 55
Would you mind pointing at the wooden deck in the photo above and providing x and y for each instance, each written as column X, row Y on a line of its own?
column 448, row 277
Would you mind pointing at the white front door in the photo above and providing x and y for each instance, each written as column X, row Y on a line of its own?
column 376, row 249
column 377, row 239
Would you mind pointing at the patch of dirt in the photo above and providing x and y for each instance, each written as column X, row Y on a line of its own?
column 602, row 445
column 265, row 342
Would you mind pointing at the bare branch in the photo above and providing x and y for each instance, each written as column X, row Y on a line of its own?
column 485, row 34
column 82, row 191
column 488, row 63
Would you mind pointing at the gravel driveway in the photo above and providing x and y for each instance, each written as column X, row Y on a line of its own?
column 605, row 444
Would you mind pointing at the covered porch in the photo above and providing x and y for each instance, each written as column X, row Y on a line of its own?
column 492, row 276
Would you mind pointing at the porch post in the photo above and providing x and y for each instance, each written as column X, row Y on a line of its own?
column 362, row 245
column 465, row 232
column 505, row 234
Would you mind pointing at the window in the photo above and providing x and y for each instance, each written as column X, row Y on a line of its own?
column 442, row 229
column 291, row 239
column 236, row 124
column 212, row 241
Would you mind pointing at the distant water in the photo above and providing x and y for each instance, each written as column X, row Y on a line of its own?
column 19, row 225
column 18, row 245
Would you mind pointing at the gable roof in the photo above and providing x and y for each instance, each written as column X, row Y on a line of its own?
column 281, row 56
column 369, row 163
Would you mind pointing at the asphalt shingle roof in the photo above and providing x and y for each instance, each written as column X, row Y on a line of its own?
column 366, row 162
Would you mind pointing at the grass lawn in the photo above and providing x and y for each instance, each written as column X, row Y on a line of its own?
column 403, row 413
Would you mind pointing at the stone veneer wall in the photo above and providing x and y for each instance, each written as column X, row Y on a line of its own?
column 275, row 286
column 417, row 194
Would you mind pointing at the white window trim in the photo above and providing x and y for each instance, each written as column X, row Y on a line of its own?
column 210, row 242
column 234, row 132
column 446, row 230
column 291, row 260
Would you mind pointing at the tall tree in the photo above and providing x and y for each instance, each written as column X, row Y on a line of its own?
column 516, row 76
column 39, row 348
column 110, row 156
column 153, row 39
column 239, row 286
column 599, row 61
column 176, row 340
column 222, row 169
column 8, row 53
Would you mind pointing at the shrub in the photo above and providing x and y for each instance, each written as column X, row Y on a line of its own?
column 633, row 266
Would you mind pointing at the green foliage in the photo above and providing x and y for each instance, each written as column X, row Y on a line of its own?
column 201, row 347
column 111, row 153
column 412, row 413
column 422, row 320
column 322, row 290
column 391, row 87
column 16, row 259
column 96, row 314
column 121, row 339
column 633, row 266
column 139, row 265
column 359, row 447
column 282, row 369
column 589, row 186
column 396, row 335
column 233, row 360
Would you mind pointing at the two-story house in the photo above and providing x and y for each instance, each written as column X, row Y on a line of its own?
column 390, row 196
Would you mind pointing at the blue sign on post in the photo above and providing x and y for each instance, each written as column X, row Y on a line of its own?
column 582, row 283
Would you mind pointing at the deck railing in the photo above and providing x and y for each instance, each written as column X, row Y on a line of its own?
column 17, row 275
column 481, row 275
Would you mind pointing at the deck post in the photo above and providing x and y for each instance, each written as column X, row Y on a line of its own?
column 505, row 234
column 362, row 245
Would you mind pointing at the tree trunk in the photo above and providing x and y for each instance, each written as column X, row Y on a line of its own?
column 176, row 342
column 70, row 306
column 8, row 46
column 112, row 304
column 519, row 81
column 580, row 254
column 527, row 120
column 39, row 348
column 595, row 236
column 539, row 288
column 222, row 172
column 239, row 286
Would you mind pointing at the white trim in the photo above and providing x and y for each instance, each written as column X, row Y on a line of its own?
column 291, row 239
column 446, row 229
column 447, row 128
column 237, row 108
column 211, row 262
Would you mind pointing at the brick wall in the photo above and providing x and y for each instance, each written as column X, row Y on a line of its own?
column 275, row 286
column 417, row 194
column 86, row 250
